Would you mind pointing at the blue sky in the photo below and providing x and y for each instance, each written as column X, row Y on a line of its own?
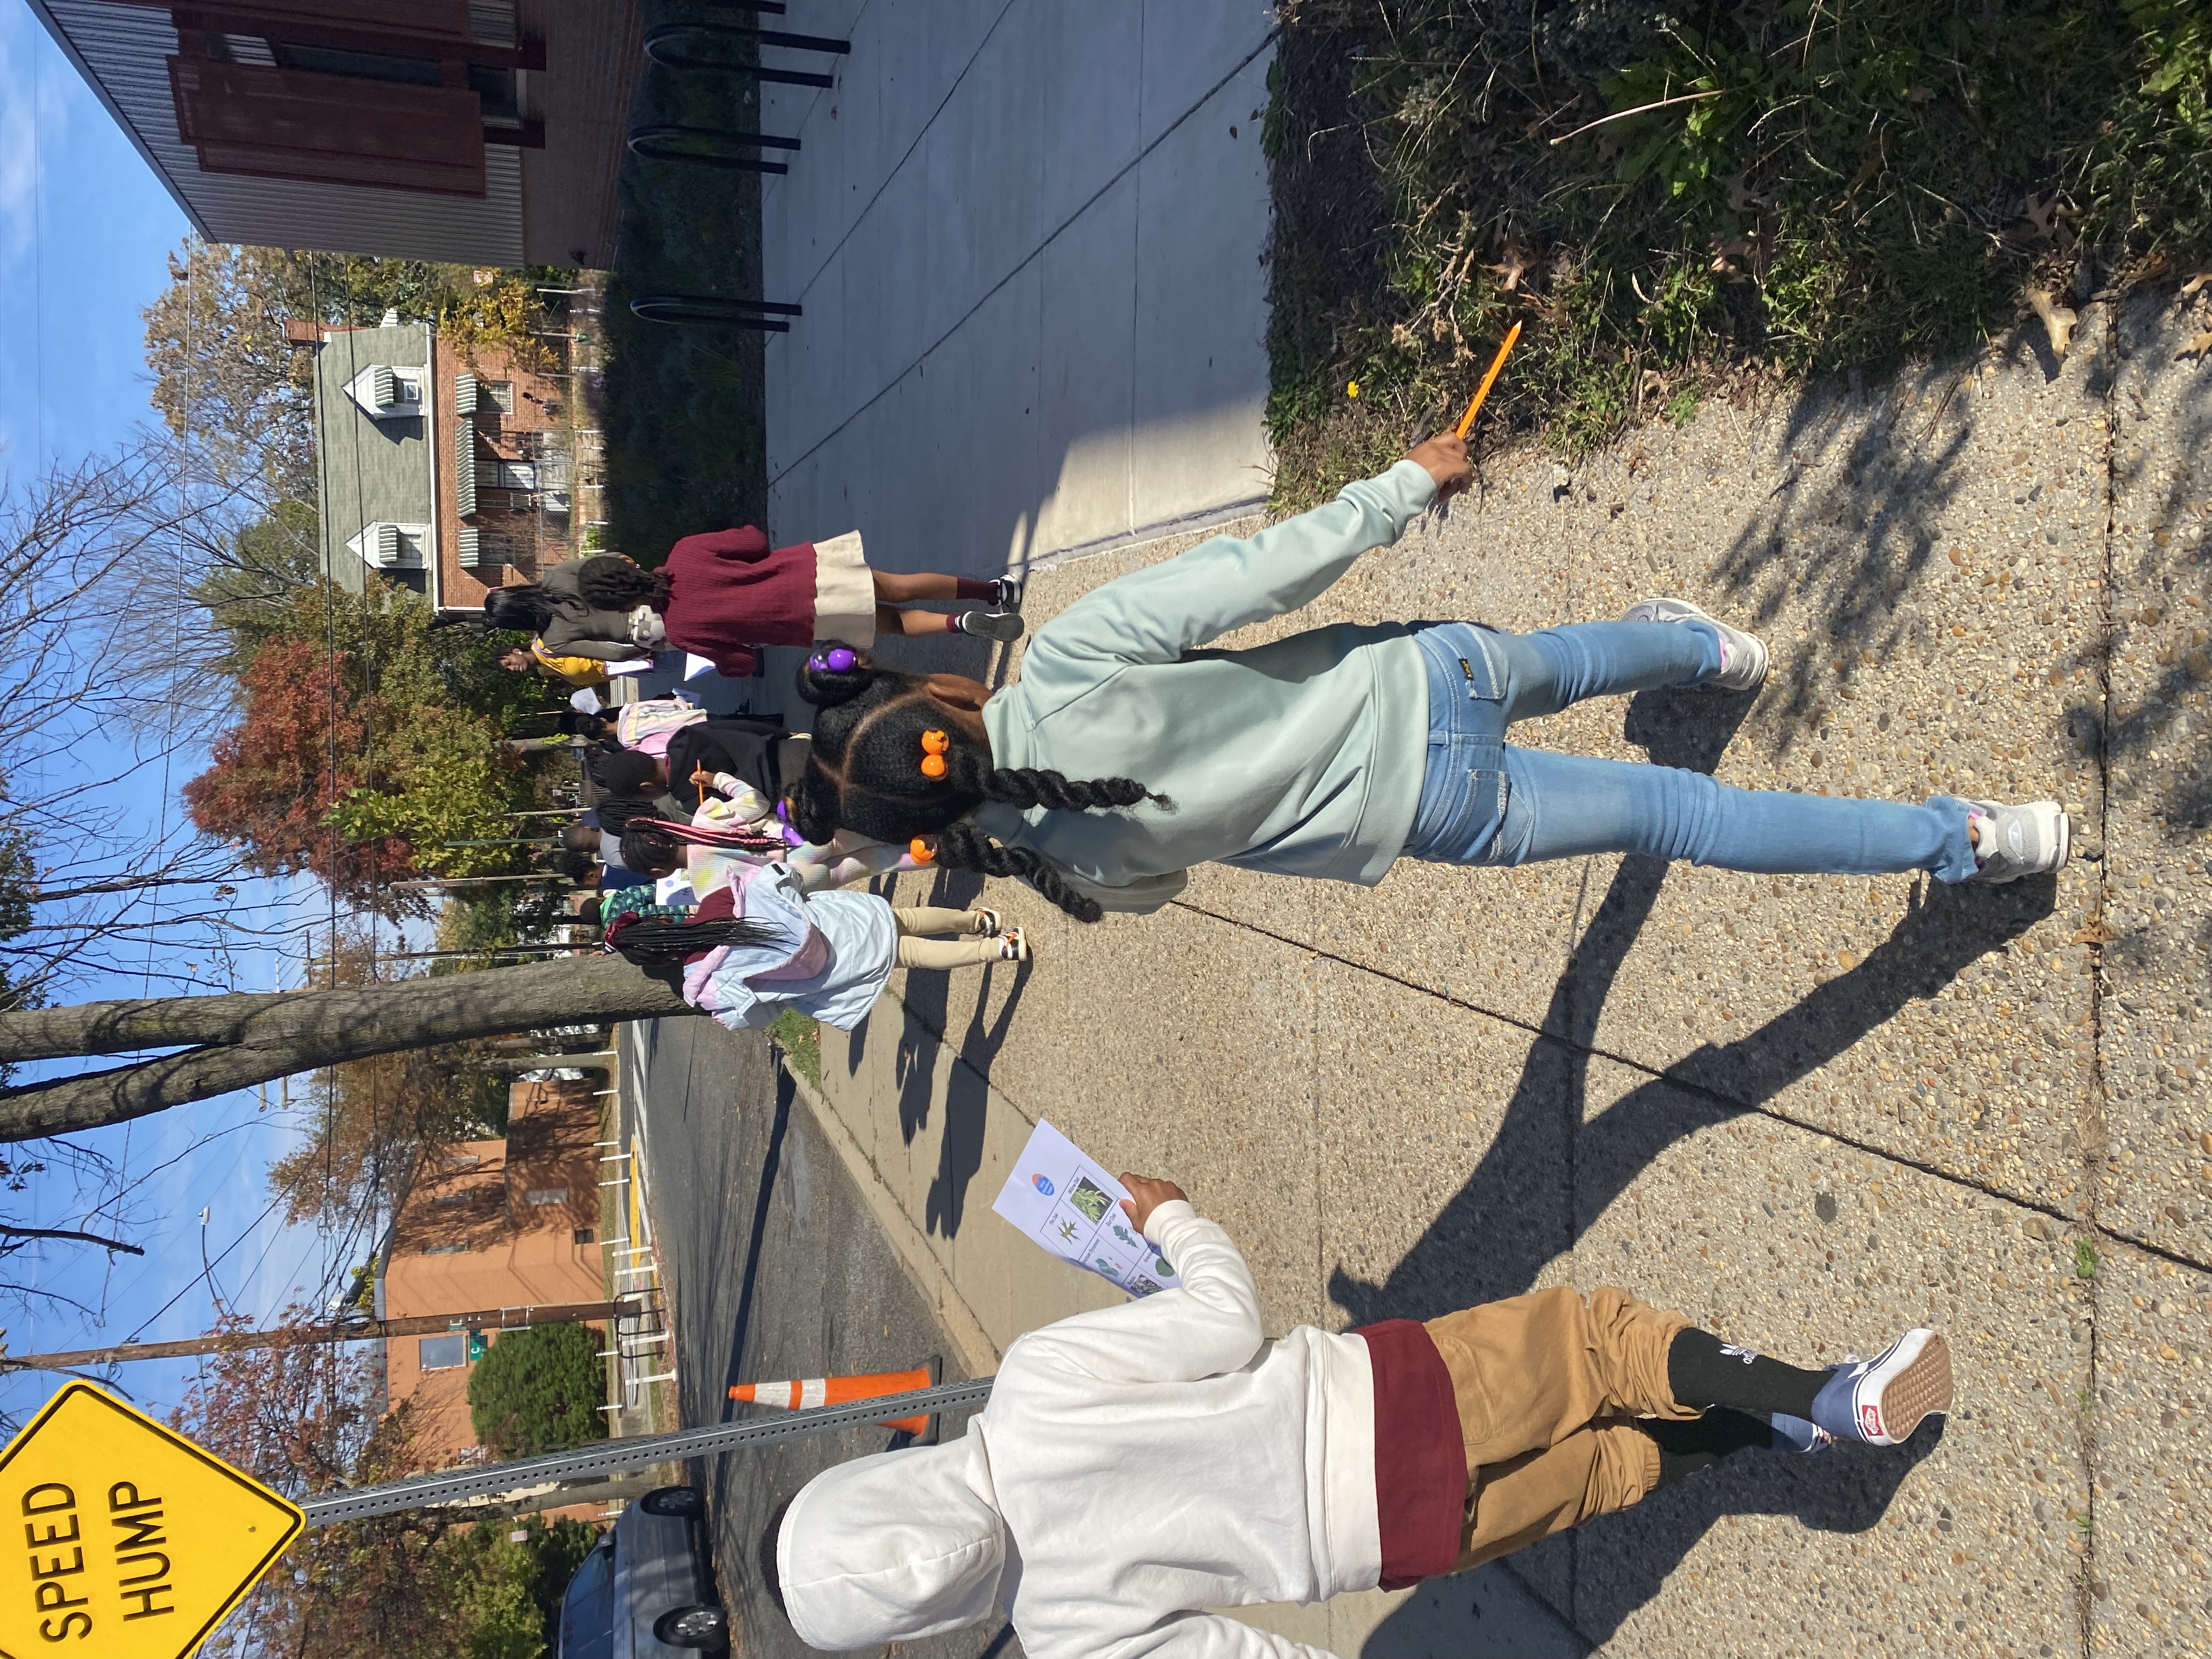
column 85, row 233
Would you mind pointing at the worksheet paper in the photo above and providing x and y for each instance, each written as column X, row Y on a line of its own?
column 1072, row 1207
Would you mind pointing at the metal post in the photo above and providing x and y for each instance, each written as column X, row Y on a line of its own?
column 484, row 1480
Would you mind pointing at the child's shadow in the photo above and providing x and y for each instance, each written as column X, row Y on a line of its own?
column 1547, row 1175
column 927, row 1006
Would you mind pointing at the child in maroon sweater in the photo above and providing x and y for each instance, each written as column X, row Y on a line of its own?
column 720, row 594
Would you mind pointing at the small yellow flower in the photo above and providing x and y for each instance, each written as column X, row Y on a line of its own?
column 1351, row 388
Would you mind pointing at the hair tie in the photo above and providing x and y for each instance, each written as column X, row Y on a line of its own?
column 920, row 851
column 621, row 924
column 838, row 659
column 934, row 747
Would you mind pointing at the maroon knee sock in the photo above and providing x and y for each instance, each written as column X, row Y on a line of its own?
column 972, row 588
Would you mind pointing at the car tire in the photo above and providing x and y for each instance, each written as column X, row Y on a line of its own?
column 700, row 1628
column 687, row 1502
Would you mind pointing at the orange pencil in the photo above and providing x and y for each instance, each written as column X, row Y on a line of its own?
column 1475, row 406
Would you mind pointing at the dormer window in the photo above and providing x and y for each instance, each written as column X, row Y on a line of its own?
column 386, row 393
column 392, row 546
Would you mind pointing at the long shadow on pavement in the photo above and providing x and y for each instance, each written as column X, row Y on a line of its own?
column 1547, row 1174
column 771, row 1164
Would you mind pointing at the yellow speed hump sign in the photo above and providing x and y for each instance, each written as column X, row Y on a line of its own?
column 133, row 1542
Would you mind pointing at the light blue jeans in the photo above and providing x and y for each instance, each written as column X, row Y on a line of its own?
column 1485, row 801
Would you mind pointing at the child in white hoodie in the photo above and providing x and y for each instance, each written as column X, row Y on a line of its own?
column 1137, row 1464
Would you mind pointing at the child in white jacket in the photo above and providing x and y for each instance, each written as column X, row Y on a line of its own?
column 1137, row 1464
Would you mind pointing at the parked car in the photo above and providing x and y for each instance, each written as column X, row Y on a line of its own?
column 645, row 1590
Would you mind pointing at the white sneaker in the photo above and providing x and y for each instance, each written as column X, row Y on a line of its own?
column 1013, row 946
column 985, row 923
column 2027, row 840
column 1743, row 656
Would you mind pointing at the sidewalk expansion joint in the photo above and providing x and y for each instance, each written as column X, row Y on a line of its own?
column 1027, row 259
column 1702, row 1090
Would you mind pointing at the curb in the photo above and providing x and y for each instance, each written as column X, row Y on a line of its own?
column 978, row 1355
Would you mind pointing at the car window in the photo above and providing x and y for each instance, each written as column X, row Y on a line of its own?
column 588, row 1610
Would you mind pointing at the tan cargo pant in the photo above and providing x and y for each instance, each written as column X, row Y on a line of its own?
column 1547, row 1385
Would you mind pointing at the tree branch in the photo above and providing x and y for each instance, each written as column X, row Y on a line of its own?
column 66, row 1232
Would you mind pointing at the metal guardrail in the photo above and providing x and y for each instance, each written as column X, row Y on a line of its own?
column 617, row 1456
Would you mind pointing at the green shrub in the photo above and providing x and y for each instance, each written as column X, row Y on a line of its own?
column 538, row 1390
column 1667, row 194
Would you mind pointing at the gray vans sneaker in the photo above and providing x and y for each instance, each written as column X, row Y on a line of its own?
column 2013, row 841
column 1743, row 656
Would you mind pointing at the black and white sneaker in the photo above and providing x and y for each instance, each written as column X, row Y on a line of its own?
column 1004, row 626
column 1007, row 593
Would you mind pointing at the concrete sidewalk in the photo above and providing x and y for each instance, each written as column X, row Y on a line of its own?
column 1027, row 236
column 1811, row 1112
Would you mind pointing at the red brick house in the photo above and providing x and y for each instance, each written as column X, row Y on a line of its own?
column 491, row 1224
column 447, row 474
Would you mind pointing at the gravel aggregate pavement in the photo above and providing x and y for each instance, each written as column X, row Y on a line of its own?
column 1810, row 1111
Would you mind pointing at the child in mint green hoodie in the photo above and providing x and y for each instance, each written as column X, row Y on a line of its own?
column 1129, row 750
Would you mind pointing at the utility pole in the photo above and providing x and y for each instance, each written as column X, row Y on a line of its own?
column 352, row 1330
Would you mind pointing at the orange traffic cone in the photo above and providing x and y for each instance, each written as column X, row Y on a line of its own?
column 836, row 1390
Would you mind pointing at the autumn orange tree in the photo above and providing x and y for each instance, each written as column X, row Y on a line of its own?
column 365, row 744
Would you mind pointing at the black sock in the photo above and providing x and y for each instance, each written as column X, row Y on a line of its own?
column 1685, row 1448
column 1703, row 1372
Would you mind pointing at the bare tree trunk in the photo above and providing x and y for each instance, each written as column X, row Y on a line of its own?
column 236, row 1041
column 358, row 1330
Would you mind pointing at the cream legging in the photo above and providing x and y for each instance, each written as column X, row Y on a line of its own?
column 971, row 951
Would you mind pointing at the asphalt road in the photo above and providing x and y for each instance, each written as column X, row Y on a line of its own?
column 779, row 1271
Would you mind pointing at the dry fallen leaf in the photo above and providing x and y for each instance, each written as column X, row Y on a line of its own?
column 2197, row 347
column 2195, row 283
column 2058, row 320
column 1512, row 265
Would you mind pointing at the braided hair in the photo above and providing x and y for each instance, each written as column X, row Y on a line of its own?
column 654, row 847
column 608, row 583
column 650, row 942
column 616, row 813
column 526, row 607
column 603, row 581
column 863, row 775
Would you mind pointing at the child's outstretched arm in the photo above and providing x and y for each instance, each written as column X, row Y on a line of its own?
column 1210, row 1325
column 1156, row 613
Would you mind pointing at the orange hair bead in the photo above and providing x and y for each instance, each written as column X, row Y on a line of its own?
column 920, row 851
column 933, row 766
column 935, row 743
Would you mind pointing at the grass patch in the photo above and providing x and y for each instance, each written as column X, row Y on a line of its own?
column 683, row 408
column 1819, row 186
column 800, row 1039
